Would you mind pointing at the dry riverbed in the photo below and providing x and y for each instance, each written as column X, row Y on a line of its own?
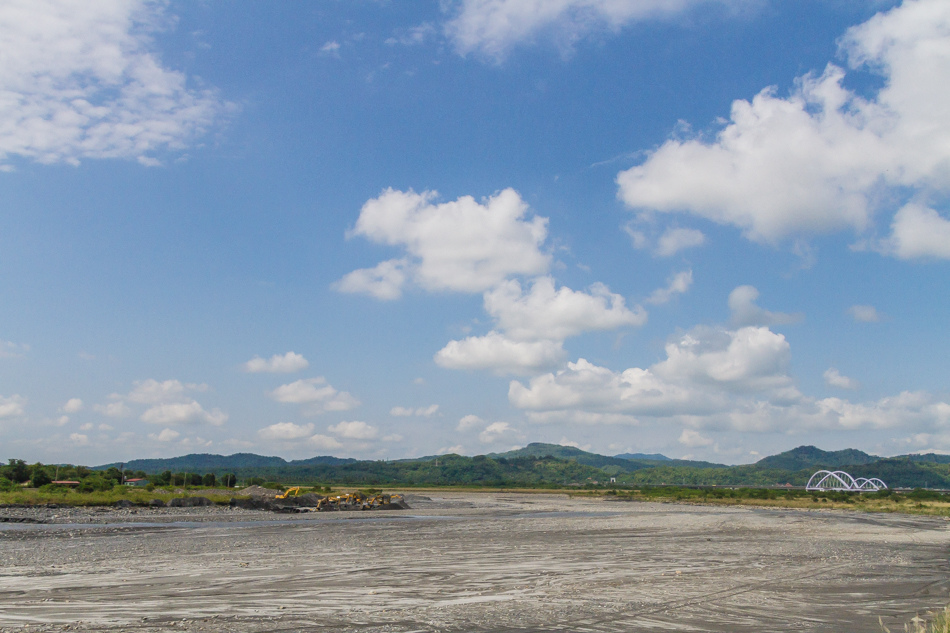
column 470, row 562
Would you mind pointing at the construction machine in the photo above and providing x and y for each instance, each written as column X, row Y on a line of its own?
column 287, row 493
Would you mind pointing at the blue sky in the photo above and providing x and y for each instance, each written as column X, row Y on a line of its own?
column 709, row 228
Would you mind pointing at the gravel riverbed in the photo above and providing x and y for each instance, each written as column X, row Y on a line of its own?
column 470, row 562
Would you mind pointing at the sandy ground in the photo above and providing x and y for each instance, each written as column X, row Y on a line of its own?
column 472, row 562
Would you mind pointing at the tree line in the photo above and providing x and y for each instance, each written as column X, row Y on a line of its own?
column 17, row 472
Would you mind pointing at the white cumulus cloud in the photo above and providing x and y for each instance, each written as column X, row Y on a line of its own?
column 277, row 364
column 73, row 405
column 469, row 422
column 679, row 284
column 114, row 409
column 286, row 431
column 404, row 412
column 500, row 354
column 918, row 232
column 534, row 323
column 152, row 391
column 693, row 439
column 11, row 406
column 81, row 80
column 546, row 312
column 189, row 412
column 165, row 435
column 818, row 160
column 354, row 430
column 497, row 432
column 315, row 392
column 675, row 240
column 833, row 378
column 461, row 246
column 721, row 380
column 746, row 312
column 492, row 27
column 703, row 373
column 324, row 442
column 331, row 48
column 384, row 281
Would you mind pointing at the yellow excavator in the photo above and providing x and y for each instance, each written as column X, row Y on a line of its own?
column 287, row 493
column 360, row 501
column 350, row 501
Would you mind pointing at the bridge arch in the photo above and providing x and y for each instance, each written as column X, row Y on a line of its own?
column 827, row 480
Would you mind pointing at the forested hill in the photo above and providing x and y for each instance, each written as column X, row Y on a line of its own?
column 553, row 465
column 623, row 462
column 205, row 462
column 812, row 457
column 656, row 457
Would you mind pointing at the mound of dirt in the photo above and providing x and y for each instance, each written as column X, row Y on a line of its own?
column 258, row 491
column 254, row 503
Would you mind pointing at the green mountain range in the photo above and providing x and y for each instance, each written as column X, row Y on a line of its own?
column 541, row 465
column 808, row 457
column 207, row 463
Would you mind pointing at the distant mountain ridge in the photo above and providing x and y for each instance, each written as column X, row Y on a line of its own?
column 654, row 457
column 804, row 457
column 206, row 462
column 540, row 449
column 540, row 464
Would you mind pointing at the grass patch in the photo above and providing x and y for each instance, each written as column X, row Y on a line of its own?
column 139, row 496
column 916, row 502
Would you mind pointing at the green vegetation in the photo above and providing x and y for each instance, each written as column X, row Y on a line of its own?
column 805, row 457
column 537, row 466
column 550, row 465
column 219, row 464
column 918, row 501
column 60, row 495
column 79, row 485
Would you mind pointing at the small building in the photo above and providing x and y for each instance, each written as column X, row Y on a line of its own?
column 65, row 482
column 136, row 482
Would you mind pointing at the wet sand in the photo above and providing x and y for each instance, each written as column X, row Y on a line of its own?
column 472, row 562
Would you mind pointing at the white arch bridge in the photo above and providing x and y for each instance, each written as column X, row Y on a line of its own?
column 840, row 480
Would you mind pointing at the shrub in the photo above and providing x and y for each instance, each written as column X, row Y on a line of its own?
column 94, row 483
column 40, row 478
column 919, row 494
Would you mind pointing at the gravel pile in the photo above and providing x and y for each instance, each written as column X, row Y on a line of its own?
column 257, row 491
